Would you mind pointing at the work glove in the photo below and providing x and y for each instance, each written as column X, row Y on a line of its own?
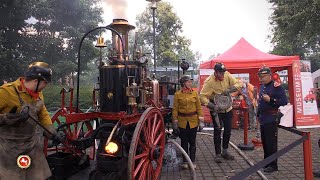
column 175, row 128
column 58, row 138
column 212, row 107
column 201, row 123
column 13, row 118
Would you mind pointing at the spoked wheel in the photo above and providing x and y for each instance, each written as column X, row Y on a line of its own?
column 147, row 146
column 74, row 131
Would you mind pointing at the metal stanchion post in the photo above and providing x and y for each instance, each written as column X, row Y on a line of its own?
column 307, row 153
column 245, row 145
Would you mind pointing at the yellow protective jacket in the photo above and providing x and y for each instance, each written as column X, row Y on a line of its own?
column 10, row 99
column 24, row 138
column 212, row 86
column 187, row 103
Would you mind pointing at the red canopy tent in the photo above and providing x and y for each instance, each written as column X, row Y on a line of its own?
column 245, row 58
column 243, row 55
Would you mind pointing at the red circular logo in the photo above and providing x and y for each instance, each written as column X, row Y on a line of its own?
column 24, row 161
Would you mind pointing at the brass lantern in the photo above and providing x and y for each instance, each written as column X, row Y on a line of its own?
column 100, row 42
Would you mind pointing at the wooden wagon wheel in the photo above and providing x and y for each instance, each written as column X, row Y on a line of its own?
column 74, row 131
column 147, row 146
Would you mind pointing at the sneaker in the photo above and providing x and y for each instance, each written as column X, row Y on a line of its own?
column 184, row 166
column 270, row 169
column 227, row 156
column 218, row 158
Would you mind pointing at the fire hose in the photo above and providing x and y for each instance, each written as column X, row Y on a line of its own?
column 82, row 158
column 194, row 177
column 185, row 154
column 241, row 154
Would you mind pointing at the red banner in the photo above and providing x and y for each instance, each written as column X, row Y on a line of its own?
column 305, row 105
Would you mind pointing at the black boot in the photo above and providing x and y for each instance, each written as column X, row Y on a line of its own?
column 226, row 155
column 192, row 153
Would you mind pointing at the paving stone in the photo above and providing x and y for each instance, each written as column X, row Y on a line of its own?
column 291, row 164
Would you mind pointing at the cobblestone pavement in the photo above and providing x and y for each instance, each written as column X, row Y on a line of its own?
column 290, row 164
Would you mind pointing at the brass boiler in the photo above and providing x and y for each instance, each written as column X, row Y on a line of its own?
column 125, row 89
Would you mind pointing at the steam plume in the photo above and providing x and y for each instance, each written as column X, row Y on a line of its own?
column 119, row 8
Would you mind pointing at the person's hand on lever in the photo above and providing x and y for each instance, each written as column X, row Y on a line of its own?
column 58, row 138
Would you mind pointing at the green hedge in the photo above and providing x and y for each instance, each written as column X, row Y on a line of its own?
column 52, row 97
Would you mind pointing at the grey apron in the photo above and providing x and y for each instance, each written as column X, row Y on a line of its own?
column 23, row 139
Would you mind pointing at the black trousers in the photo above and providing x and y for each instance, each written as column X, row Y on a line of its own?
column 188, row 141
column 269, row 138
column 225, row 122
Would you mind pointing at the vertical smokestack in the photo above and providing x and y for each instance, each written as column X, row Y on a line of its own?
column 119, row 8
column 123, row 27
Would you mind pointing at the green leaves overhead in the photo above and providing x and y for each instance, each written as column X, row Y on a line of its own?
column 296, row 27
column 52, row 34
column 50, row 31
column 170, row 44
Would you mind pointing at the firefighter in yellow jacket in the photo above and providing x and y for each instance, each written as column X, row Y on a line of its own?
column 187, row 117
column 221, row 82
column 21, row 151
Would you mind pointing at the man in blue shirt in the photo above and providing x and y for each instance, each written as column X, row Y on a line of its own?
column 270, row 99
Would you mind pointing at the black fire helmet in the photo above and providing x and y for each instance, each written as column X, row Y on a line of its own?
column 39, row 70
column 220, row 67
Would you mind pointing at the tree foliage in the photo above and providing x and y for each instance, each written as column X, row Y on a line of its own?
column 13, row 15
column 296, row 28
column 49, row 31
column 170, row 44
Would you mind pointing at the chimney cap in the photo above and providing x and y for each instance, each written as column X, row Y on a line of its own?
column 120, row 22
